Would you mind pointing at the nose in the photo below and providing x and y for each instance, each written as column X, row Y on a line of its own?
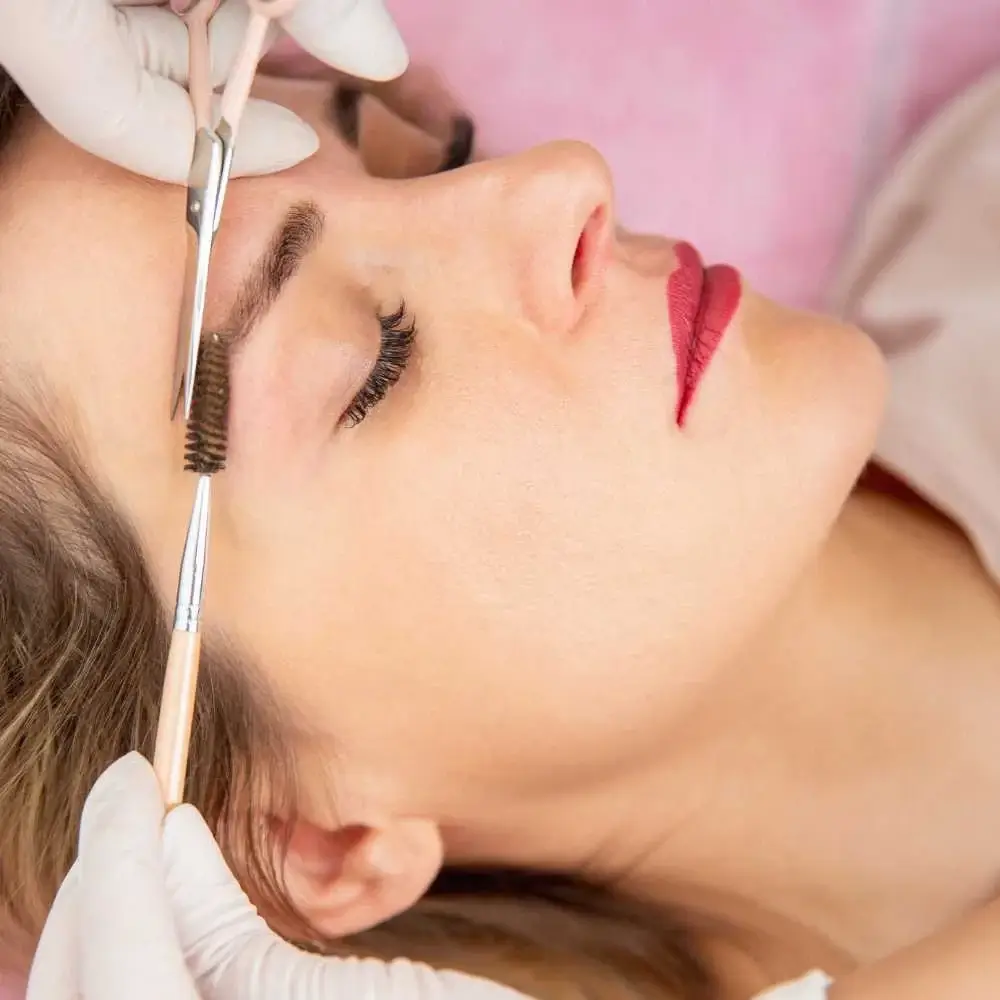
column 552, row 216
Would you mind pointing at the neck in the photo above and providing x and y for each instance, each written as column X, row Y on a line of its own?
column 805, row 803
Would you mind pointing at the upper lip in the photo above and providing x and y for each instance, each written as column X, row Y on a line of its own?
column 700, row 305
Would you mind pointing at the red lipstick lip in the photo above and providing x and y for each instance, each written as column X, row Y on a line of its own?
column 700, row 303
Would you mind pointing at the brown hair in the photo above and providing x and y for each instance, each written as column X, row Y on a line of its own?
column 82, row 643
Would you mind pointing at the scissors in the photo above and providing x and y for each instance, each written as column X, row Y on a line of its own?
column 211, row 164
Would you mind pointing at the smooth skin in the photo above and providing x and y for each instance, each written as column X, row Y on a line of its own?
column 517, row 615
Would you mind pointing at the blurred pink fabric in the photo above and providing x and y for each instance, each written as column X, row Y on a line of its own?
column 755, row 130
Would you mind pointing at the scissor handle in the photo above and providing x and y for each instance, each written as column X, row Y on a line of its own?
column 271, row 8
column 182, row 8
column 237, row 89
column 186, row 8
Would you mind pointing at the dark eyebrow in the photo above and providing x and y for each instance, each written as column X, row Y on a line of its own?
column 295, row 237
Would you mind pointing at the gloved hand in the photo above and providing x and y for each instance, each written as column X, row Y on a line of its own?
column 110, row 77
column 150, row 910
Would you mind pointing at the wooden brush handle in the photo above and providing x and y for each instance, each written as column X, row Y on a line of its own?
column 173, row 731
column 200, row 62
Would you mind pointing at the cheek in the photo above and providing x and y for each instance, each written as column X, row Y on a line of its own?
column 285, row 410
column 290, row 388
column 515, row 562
column 572, row 536
column 818, row 388
column 522, row 566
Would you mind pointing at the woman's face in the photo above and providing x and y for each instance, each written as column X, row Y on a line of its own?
column 517, row 568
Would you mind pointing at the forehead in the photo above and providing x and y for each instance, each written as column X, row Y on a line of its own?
column 97, row 218
column 91, row 265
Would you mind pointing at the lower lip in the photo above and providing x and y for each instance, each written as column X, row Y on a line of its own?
column 701, row 303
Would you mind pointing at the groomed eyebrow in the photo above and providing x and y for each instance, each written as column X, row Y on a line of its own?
column 296, row 235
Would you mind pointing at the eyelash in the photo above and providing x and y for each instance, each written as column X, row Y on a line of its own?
column 395, row 351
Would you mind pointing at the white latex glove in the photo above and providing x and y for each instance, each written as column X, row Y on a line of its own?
column 150, row 910
column 110, row 77
column 811, row 987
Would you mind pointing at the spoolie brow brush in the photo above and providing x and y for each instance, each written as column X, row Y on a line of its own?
column 204, row 454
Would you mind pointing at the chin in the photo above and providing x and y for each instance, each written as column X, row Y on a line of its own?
column 821, row 391
column 858, row 383
column 829, row 384
column 840, row 402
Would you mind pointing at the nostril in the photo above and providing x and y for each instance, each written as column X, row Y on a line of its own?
column 587, row 252
column 577, row 262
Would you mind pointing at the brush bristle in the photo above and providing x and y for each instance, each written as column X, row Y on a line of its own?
column 208, row 426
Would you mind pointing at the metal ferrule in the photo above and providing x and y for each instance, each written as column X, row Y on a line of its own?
column 191, row 585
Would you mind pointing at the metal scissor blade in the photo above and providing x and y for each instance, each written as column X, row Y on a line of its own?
column 228, row 140
column 204, row 182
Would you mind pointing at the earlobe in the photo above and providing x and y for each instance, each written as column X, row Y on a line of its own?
column 345, row 881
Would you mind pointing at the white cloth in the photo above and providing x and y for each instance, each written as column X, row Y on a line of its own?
column 811, row 987
column 924, row 280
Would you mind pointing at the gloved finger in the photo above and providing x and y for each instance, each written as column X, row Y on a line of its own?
column 129, row 945
column 154, row 135
column 159, row 39
column 158, row 139
column 71, row 61
column 55, row 968
column 215, row 920
column 81, row 71
column 229, row 948
column 356, row 36
column 271, row 138
column 232, row 952
column 76, row 65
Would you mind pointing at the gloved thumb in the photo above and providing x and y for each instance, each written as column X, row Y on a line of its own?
column 232, row 953
column 110, row 933
column 157, row 140
column 271, row 138
column 112, row 82
column 55, row 969
column 356, row 36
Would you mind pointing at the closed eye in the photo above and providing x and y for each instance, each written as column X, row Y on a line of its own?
column 395, row 349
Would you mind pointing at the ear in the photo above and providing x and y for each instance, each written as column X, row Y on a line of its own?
column 347, row 880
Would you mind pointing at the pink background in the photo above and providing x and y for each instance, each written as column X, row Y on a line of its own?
column 753, row 129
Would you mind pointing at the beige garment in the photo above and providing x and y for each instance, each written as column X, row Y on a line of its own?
column 924, row 280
